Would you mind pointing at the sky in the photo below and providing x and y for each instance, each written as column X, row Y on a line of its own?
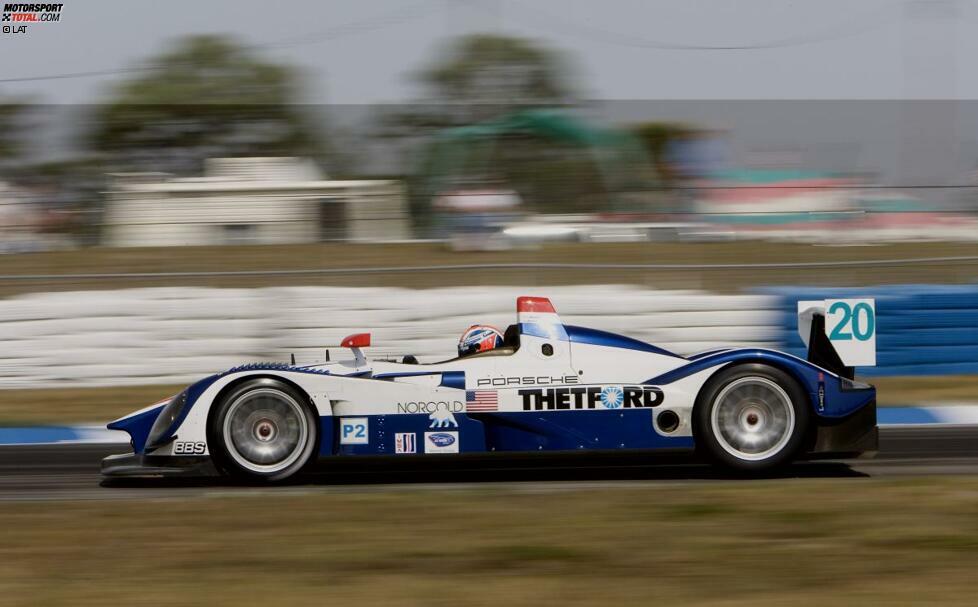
column 635, row 60
column 357, row 52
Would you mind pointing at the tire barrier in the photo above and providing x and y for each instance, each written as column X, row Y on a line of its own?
column 921, row 329
column 178, row 334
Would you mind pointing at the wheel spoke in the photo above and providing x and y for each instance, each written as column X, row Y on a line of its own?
column 265, row 430
column 752, row 418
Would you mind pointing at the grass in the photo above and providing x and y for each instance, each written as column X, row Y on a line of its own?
column 859, row 541
column 77, row 405
column 85, row 405
column 332, row 255
column 926, row 389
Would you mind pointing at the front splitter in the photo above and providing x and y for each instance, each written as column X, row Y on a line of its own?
column 131, row 465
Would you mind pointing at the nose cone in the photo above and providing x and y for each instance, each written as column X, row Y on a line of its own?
column 137, row 425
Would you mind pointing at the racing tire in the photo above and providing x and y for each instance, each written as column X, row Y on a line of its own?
column 263, row 430
column 751, row 418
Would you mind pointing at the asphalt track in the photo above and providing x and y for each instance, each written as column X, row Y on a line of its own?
column 71, row 471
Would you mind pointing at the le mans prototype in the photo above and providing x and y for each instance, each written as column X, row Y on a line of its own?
column 549, row 387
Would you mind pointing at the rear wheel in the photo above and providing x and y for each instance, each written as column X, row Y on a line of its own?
column 264, row 430
column 752, row 417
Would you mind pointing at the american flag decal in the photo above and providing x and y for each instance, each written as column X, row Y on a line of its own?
column 481, row 400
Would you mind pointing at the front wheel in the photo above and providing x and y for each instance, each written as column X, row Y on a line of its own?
column 264, row 430
column 751, row 417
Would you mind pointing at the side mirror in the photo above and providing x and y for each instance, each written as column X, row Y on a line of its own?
column 357, row 340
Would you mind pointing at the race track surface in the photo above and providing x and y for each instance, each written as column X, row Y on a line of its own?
column 70, row 472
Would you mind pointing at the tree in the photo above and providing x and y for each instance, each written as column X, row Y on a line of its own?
column 206, row 97
column 478, row 78
column 484, row 76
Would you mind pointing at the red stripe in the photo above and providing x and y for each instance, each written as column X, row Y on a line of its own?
column 534, row 304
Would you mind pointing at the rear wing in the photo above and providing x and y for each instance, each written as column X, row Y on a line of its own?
column 840, row 333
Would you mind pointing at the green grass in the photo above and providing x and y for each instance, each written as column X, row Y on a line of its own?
column 84, row 405
column 77, row 405
column 277, row 257
column 798, row 542
column 895, row 391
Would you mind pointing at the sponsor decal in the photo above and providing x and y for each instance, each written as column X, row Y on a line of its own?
column 448, row 406
column 354, row 431
column 821, row 391
column 189, row 448
column 441, row 419
column 441, row 442
column 526, row 380
column 481, row 400
column 592, row 397
column 405, row 442
column 612, row 397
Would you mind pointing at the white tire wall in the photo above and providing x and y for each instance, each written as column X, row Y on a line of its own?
column 174, row 335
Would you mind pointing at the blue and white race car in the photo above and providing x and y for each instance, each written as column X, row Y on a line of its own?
column 548, row 387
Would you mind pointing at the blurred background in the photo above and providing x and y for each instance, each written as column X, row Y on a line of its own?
column 182, row 191
column 189, row 186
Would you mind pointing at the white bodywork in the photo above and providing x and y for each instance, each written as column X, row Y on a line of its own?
column 344, row 392
column 552, row 369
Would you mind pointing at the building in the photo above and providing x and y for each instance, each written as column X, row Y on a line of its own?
column 252, row 201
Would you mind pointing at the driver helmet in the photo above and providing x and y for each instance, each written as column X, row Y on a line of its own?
column 479, row 338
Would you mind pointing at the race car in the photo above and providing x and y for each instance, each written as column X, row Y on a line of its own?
column 544, row 387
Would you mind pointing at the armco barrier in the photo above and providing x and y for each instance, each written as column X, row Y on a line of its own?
column 921, row 329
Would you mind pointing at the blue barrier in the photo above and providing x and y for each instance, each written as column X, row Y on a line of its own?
column 922, row 329
column 47, row 435
column 38, row 435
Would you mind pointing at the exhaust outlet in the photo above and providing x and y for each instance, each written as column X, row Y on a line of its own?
column 667, row 421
